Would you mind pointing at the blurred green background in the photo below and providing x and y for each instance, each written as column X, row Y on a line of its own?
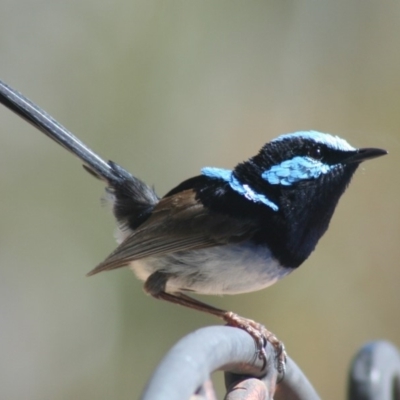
column 164, row 88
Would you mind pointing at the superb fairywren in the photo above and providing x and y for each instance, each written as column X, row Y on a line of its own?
column 223, row 231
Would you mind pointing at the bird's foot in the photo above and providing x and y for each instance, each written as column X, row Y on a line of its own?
column 261, row 335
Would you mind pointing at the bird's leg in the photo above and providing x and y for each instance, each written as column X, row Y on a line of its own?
column 156, row 284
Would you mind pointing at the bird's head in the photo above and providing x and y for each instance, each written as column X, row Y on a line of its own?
column 302, row 175
column 313, row 163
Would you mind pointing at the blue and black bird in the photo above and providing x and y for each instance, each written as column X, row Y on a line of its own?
column 223, row 231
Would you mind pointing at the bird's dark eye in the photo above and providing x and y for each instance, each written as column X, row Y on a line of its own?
column 315, row 152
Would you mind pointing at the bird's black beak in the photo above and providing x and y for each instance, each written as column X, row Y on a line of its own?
column 361, row 155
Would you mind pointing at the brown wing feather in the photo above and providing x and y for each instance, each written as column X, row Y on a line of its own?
column 177, row 223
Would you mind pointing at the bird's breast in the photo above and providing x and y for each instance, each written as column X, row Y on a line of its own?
column 227, row 269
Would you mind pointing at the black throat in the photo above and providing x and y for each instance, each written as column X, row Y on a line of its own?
column 305, row 210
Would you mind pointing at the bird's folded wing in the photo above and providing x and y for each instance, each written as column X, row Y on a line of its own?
column 177, row 223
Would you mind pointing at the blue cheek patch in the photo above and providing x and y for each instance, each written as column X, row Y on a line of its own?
column 243, row 189
column 297, row 169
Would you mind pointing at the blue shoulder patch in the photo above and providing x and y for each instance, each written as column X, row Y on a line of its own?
column 243, row 189
column 218, row 173
column 334, row 142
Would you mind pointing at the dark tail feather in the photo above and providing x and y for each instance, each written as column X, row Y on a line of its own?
column 23, row 107
column 134, row 199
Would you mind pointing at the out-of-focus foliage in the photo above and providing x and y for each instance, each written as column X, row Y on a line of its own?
column 164, row 88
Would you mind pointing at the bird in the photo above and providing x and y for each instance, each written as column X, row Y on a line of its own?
column 224, row 231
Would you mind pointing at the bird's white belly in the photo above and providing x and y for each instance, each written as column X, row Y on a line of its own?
column 229, row 269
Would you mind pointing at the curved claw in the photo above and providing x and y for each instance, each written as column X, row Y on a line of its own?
column 261, row 335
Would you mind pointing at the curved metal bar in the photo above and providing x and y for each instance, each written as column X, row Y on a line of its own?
column 294, row 386
column 191, row 361
column 375, row 373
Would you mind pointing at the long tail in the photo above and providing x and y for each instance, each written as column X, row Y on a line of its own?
column 23, row 107
column 133, row 198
